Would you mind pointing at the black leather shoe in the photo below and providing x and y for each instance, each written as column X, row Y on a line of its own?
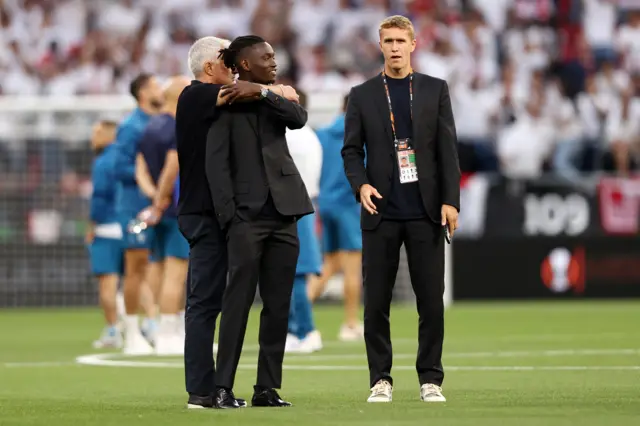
column 196, row 402
column 268, row 398
column 226, row 399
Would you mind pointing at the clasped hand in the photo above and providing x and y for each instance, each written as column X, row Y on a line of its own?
column 244, row 90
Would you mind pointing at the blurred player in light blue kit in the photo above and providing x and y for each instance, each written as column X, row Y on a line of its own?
column 157, row 159
column 306, row 151
column 129, row 202
column 104, row 235
column 342, row 237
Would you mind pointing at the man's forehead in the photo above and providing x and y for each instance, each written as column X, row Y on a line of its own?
column 391, row 34
column 262, row 48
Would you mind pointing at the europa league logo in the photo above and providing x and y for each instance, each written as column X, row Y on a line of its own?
column 562, row 270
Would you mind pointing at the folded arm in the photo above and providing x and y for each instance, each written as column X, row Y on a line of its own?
column 353, row 153
column 447, row 144
column 218, row 169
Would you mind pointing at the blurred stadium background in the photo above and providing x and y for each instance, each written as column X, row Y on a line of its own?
column 546, row 95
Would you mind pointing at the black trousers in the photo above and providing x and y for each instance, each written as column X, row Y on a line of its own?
column 206, row 282
column 424, row 243
column 263, row 251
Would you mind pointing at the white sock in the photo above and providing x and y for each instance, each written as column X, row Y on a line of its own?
column 169, row 322
column 120, row 309
column 131, row 323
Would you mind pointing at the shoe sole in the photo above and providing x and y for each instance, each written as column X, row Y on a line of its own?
column 377, row 400
column 198, row 407
column 433, row 400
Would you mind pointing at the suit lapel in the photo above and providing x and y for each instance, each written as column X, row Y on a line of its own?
column 416, row 109
column 382, row 104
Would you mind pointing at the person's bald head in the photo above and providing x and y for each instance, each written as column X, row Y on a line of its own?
column 173, row 87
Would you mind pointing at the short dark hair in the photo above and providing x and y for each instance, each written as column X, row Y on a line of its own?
column 303, row 98
column 108, row 123
column 230, row 55
column 138, row 83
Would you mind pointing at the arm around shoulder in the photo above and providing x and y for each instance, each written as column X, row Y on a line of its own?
column 353, row 153
column 292, row 114
column 447, row 150
column 218, row 170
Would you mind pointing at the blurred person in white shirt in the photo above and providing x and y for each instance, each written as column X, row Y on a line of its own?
column 593, row 108
column 569, row 146
column 306, row 151
column 623, row 131
column 599, row 25
column 611, row 80
column 441, row 60
column 322, row 77
column 310, row 19
column 628, row 41
column 476, row 111
column 524, row 146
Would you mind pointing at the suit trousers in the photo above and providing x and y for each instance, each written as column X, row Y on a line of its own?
column 262, row 252
column 424, row 244
column 207, row 278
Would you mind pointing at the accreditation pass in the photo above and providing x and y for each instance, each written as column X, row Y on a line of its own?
column 406, row 157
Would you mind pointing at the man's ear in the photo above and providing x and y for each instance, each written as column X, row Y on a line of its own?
column 209, row 68
column 244, row 64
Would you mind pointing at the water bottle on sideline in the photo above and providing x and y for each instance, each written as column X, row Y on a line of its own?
column 141, row 222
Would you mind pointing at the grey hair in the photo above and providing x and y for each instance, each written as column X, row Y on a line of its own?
column 204, row 50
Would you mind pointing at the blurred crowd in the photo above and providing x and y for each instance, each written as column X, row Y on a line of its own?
column 536, row 85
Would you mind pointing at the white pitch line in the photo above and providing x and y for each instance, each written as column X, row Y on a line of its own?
column 501, row 354
column 102, row 360
column 40, row 364
column 107, row 359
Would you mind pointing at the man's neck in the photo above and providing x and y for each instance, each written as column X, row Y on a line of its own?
column 397, row 72
column 247, row 77
column 148, row 109
column 209, row 79
column 169, row 109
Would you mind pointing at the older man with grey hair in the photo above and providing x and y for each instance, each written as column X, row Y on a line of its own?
column 212, row 87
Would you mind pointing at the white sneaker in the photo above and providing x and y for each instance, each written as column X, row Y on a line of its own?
column 111, row 337
column 381, row 392
column 136, row 344
column 292, row 344
column 351, row 334
column 169, row 344
column 134, row 341
column 169, row 338
column 431, row 393
column 311, row 343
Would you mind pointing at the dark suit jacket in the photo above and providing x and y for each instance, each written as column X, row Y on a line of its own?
column 367, row 124
column 248, row 157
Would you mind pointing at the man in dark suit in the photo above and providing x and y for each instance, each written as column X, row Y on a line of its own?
column 409, row 190
column 258, row 195
column 198, row 107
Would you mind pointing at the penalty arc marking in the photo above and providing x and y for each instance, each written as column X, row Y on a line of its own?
column 118, row 360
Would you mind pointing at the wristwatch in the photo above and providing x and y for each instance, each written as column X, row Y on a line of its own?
column 264, row 92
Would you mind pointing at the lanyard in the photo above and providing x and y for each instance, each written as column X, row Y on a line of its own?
column 386, row 88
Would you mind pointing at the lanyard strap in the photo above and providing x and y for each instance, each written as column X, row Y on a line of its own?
column 391, row 117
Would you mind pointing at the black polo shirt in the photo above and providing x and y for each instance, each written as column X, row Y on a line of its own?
column 195, row 113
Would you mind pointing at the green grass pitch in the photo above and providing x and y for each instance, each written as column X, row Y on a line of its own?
column 551, row 364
